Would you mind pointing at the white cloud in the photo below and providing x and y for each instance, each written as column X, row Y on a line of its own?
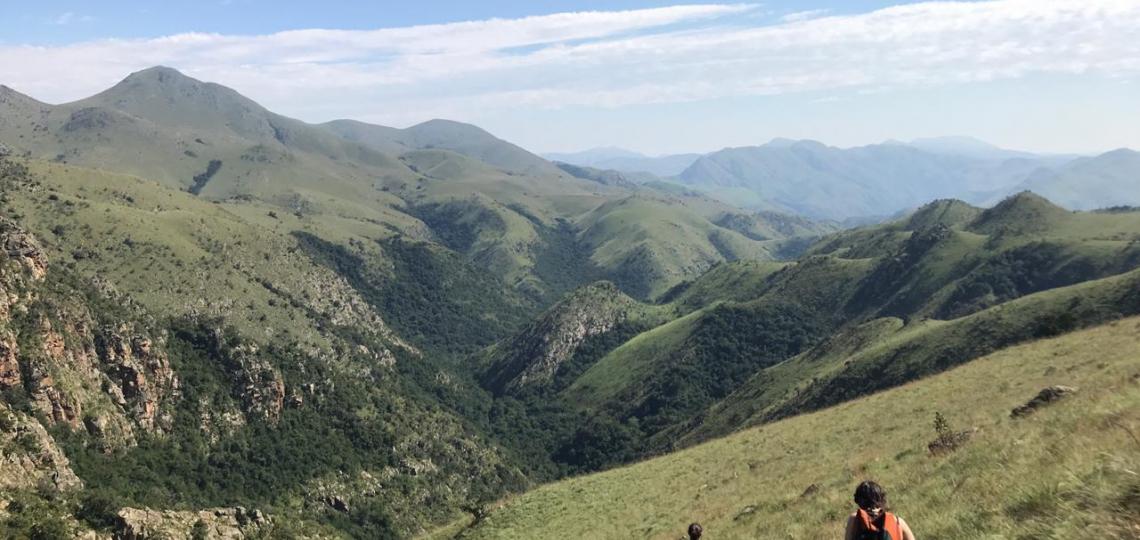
column 805, row 15
column 610, row 59
column 71, row 17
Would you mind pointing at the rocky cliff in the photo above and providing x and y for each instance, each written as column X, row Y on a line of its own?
column 534, row 355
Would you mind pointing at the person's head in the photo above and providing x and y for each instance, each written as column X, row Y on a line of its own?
column 695, row 531
column 871, row 497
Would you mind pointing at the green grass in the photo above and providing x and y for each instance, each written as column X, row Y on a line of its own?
column 352, row 180
column 647, row 244
column 882, row 354
column 180, row 258
column 733, row 280
column 882, row 293
column 629, row 363
column 1066, row 471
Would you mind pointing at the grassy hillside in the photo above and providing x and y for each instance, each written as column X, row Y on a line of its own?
column 1062, row 472
column 273, row 343
column 508, row 211
column 885, row 353
column 751, row 341
column 447, row 135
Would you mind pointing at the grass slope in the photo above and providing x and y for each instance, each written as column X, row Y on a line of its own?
column 756, row 341
column 1063, row 472
column 442, row 181
column 884, row 353
column 198, row 270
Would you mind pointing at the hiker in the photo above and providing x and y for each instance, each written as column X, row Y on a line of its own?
column 872, row 520
column 695, row 531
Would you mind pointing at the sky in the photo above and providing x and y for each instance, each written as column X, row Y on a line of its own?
column 651, row 76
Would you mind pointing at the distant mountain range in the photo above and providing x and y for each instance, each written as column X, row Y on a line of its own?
column 877, row 181
column 360, row 331
column 442, row 181
column 627, row 161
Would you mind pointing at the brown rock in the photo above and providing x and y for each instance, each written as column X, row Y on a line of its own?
column 31, row 455
column 219, row 523
column 9, row 361
column 23, row 248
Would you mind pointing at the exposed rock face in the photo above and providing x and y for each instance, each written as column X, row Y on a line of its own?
column 534, row 355
column 9, row 359
column 261, row 387
column 217, row 523
column 142, row 372
column 22, row 263
column 21, row 247
column 71, row 364
column 29, row 455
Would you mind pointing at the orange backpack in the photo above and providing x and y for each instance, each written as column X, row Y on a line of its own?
column 887, row 529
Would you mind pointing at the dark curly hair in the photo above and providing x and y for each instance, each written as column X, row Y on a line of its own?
column 869, row 495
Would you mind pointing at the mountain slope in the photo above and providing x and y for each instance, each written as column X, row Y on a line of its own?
column 819, row 181
column 965, row 146
column 1033, row 483
column 627, row 161
column 167, row 342
column 461, row 138
column 749, row 341
column 539, row 353
column 506, row 210
column 1110, row 179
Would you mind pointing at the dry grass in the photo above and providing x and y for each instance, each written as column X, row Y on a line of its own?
column 1070, row 470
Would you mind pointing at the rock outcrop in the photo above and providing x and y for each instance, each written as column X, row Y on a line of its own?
column 142, row 372
column 29, row 456
column 107, row 378
column 534, row 355
column 22, row 264
column 217, row 523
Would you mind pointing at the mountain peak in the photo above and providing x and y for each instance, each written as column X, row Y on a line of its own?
column 163, row 80
column 158, row 72
column 443, row 123
column 953, row 140
column 781, row 142
column 948, row 212
column 1021, row 213
column 167, row 97
column 1120, row 153
column 158, row 76
column 962, row 145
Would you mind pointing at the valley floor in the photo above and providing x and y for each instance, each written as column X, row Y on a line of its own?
column 1070, row 470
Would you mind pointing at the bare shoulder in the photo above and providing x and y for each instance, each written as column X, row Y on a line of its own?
column 907, row 533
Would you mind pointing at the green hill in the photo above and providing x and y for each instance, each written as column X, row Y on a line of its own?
column 508, row 211
column 266, row 347
column 461, row 138
column 269, row 282
column 1061, row 472
column 363, row 331
column 750, row 341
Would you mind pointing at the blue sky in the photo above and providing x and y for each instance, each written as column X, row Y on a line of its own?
column 46, row 22
column 657, row 77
